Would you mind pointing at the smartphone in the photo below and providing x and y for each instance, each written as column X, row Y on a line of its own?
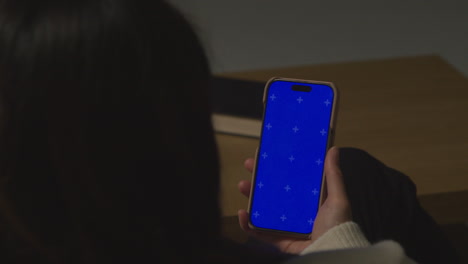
column 288, row 178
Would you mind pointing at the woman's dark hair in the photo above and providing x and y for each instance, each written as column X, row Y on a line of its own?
column 106, row 148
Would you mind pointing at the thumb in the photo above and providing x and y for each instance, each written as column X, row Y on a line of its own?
column 333, row 175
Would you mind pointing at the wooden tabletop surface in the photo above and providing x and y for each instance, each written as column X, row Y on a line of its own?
column 411, row 113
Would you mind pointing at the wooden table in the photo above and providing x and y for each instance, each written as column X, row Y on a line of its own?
column 411, row 113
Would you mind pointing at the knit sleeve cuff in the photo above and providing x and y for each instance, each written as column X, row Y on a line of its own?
column 346, row 235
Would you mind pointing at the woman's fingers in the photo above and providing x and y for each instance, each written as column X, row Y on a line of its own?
column 244, row 221
column 249, row 164
column 244, row 187
column 334, row 177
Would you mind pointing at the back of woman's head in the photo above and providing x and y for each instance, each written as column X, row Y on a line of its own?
column 106, row 147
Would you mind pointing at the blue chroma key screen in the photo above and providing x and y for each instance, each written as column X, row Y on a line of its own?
column 290, row 158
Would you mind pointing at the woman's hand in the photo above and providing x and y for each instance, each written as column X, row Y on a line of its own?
column 334, row 210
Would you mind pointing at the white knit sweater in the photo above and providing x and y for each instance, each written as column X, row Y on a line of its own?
column 346, row 243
